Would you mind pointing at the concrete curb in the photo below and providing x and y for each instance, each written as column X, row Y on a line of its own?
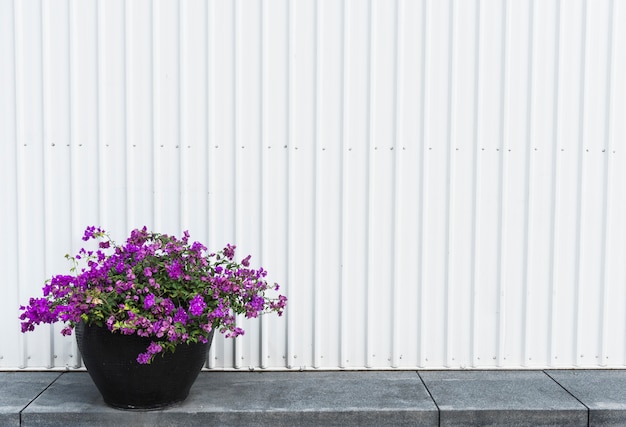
column 362, row 398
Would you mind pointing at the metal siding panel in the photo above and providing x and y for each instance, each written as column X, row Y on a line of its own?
column 9, row 334
column 354, row 203
column 301, row 192
column 615, row 327
column 514, row 153
column 540, row 192
column 274, row 253
column 328, row 162
column 434, row 184
column 565, row 223
column 409, row 153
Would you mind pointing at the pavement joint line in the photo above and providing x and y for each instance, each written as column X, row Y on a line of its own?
column 39, row 394
column 431, row 398
column 570, row 393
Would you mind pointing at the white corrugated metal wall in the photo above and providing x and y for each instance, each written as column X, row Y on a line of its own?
column 434, row 183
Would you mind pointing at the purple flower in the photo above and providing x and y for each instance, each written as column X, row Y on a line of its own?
column 181, row 316
column 144, row 358
column 229, row 251
column 148, row 301
column 197, row 305
column 174, row 270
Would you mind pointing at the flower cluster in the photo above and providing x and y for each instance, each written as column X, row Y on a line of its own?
column 156, row 286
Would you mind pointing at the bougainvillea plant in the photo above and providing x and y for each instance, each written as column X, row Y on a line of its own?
column 155, row 286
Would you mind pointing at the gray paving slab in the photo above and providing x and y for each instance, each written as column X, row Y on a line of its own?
column 259, row 398
column 602, row 391
column 502, row 398
column 17, row 390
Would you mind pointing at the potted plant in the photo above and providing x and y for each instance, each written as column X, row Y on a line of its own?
column 145, row 312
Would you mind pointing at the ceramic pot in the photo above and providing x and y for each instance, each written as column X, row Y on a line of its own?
column 111, row 361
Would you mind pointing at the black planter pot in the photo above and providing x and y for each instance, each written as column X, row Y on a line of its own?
column 111, row 361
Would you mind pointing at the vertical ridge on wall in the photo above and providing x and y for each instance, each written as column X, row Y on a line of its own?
column 528, row 188
column 316, row 321
column 397, row 126
column 371, row 177
column 608, row 187
column 475, row 191
column 581, row 177
column 345, row 136
column 503, row 195
column 448, row 322
column 556, row 169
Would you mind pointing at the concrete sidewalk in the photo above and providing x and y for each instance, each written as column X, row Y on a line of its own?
column 429, row 398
